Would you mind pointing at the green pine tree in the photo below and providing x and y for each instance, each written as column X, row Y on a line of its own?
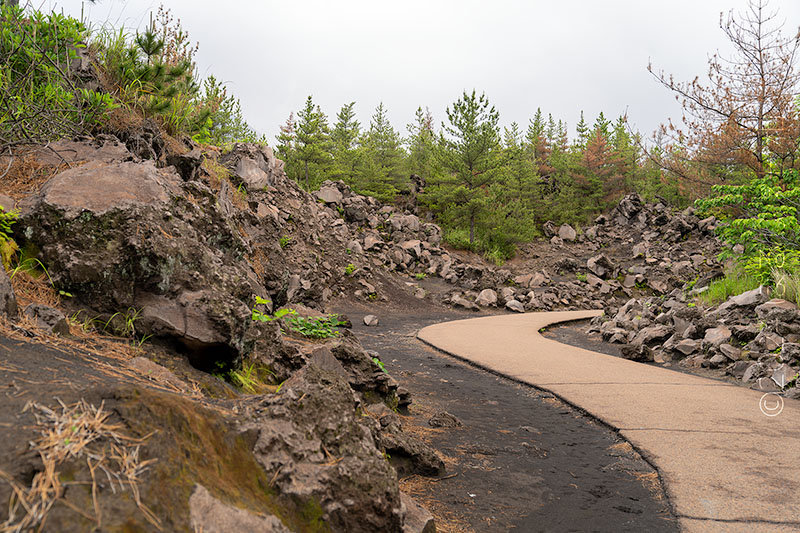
column 470, row 161
column 312, row 145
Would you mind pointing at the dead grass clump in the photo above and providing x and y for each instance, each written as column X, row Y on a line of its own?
column 26, row 174
column 76, row 432
column 31, row 288
column 216, row 172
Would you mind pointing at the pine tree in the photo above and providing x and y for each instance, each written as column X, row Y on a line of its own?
column 582, row 130
column 421, row 144
column 285, row 149
column 383, row 173
column 312, row 145
column 469, row 156
column 344, row 138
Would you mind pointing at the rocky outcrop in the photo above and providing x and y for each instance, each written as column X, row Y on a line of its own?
column 761, row 354
column 176, row 248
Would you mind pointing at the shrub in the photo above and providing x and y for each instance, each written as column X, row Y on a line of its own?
column 39, row 100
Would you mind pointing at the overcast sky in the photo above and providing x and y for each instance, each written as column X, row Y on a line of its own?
column 563, row 56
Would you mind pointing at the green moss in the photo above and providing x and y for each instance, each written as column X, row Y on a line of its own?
column 196, row 445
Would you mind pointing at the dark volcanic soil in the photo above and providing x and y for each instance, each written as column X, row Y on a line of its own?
column 523, row 460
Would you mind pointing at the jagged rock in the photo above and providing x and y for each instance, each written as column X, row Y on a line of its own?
column 765, row 384
column 783, row 375
column 739, row 368
column 459, row 301
column 486, row 298
column 443, row 419
column 790, row 351
column 549, row 229
column 687, row 346
column 187, row 164
column 776, row 303
column 254, row 165
column 753, row 372
column 372, row 241
column 8, row 300
column 102, row 149
column 297, row 440
column 600, row 265
column 630, row 205
column 210, row 515
column 539, row 280
column 514, row 305
column 330, row 194
column 716, row 336
column 766, row 341
column 417, row 518
column 47, row 318
column 413, row 246
column 567, row 232
column 755, row 296
column 652, row 334
column 732, row 353
column 640, row 249
column 371, row 320
column 567, row 264
column 104, row 229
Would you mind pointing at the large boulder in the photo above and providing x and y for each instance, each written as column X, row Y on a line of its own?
column 255, row 166
column 122, row 238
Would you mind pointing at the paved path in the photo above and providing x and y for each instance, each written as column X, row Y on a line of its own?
column 726, row 465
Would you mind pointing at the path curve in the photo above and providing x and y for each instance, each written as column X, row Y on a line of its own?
column 726, row 465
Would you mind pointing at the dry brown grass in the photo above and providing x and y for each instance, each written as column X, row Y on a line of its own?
column 26, row 175
column 32, row 288
column 81, row 432
column 447, row 520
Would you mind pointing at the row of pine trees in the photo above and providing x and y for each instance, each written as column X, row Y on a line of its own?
column 489, row 189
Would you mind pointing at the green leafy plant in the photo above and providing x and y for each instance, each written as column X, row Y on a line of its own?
column 349, row 269
column 285, row 241
column 420, row 275
column 581, row 276
column 8, row 247
column 380, row 364
column 315, row 327
column 39, row 100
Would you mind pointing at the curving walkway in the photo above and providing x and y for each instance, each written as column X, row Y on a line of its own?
column 726, row 465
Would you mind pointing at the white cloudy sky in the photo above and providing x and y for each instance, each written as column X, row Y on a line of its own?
column 563, row 56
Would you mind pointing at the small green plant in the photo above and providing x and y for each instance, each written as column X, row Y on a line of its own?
column 349, row 269
column 124, row 324
column 285, row 241
column 420, row 275
column 581, row 276
column 246, row 378
column 322, row 327
column 380, row 364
